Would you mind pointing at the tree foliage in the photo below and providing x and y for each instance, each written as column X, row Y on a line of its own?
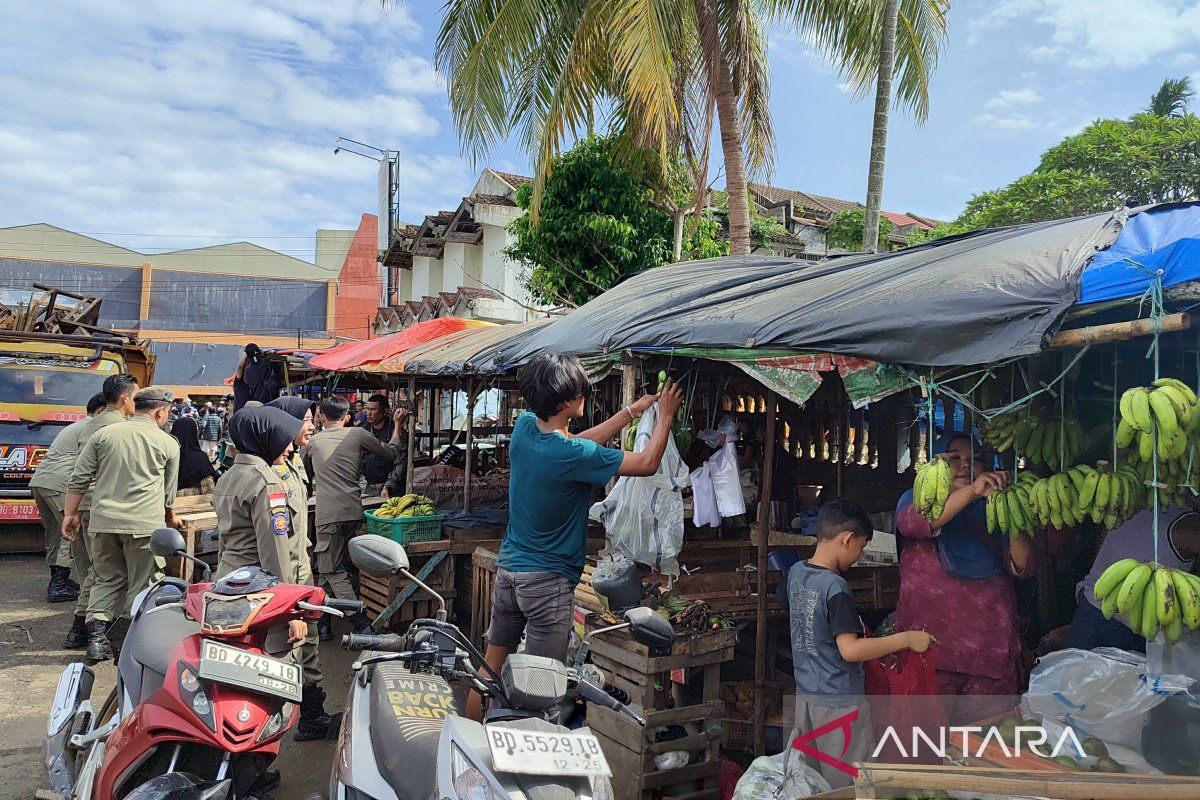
column 845, row 231
column 598, row 226
column 1147, row 158
column 1172, row 98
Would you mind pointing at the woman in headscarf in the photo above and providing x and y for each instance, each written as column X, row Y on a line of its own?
column 196, row 473
column 314, row 724
column 957, row 583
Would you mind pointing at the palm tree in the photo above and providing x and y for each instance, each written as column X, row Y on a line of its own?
column 883, row 107
column 1172, row 98
column 537, row 68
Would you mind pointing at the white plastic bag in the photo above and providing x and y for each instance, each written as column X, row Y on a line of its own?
column 722, row 468
column 704, row 499
column 765, row 779
column 1106, row 693
column 644, row 516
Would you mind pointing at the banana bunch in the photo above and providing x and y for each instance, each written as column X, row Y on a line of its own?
column 410, row 505
column 1040, row 441
column 932, row 487
column 1152, row 597
column 1010, row 509
column 1067, row 498
column 1175, row 487
column 1160, row 416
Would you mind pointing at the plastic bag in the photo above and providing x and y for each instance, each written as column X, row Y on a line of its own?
column 644, row 516
column 721, row 470
column 1106, row 693
column 1181, row 658
column 765, row 779
column 616, row 579
column 704, row 499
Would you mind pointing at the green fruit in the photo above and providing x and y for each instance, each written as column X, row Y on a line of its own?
column 1094, row 747
column 1068, row 762
column 1106, row 764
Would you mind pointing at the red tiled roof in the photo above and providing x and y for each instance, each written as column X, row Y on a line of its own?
column 490, row 200
column 904, row 220
column 512, row 179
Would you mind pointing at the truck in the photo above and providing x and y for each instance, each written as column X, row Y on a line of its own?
column 53, row 357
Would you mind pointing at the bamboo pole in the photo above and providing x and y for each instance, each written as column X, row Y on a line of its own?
column 1119, row 331
column 412, row 434
column 470, row 442
column 764, row 536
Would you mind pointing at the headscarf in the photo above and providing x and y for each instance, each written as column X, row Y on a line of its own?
column 263, row 432
column 296, row 406
column 965, row 547
column 194, row 464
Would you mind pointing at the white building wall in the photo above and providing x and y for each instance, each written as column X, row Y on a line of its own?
column 454, row 260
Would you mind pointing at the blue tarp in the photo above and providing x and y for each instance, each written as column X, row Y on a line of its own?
column 1165, row 237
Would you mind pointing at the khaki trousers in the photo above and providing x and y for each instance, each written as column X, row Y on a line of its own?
column 50, row 505
column 331, row 557
column 120, row 562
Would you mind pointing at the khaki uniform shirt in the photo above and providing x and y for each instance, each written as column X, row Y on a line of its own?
column 55, row 468
column 109, row 416
column 255, row 522
column 334, row 459
column 296, row 479
column 135, row 468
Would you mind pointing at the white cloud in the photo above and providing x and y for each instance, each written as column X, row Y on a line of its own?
column 215, row 118
column 1012, row 98
column 1000, row 122
column 1102, row 34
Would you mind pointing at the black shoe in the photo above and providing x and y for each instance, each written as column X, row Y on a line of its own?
column 314, row 724
column 98, row 646
column 116, row 636
column 325, row 628
column 77, row 636
column 362, row 624
column 59, row 589
column 72, row 583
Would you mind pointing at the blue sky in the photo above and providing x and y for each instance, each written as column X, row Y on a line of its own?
column 215, row 121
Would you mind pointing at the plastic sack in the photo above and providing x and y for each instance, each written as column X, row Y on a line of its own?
column 704, row 499
column 644, row 516
column 721, row 471
column 616, row 579
column 766, row 779
column 1106, row 693
column 725, row 433
column 1181, row 658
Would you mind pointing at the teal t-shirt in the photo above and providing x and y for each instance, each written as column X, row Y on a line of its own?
column 549, row 491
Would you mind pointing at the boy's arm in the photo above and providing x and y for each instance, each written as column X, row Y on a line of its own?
column 855, row 648
column 645, row 463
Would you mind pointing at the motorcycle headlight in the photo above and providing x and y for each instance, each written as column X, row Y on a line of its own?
column 191, row 691
column 469, row 782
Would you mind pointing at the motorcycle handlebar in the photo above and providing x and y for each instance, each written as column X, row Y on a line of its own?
column 348, row 606
column 388, row 642
column 594, row 694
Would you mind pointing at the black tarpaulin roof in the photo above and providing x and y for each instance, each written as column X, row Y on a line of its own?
column 971, row 299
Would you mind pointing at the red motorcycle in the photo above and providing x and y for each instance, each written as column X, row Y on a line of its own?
column 199, row 708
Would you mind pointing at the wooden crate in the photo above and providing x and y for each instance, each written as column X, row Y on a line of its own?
column 376, row 594
column 875, row 588
column 197, row 517
column 483, row 580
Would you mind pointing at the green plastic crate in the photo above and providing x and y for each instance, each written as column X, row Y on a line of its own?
column 406, row 530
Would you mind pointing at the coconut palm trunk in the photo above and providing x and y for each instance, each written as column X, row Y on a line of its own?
column 883, row 105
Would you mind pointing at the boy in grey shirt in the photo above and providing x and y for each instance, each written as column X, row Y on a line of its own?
column 828, row 650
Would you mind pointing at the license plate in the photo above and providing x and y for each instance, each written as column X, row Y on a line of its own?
column 541, row 753
column 258, row 673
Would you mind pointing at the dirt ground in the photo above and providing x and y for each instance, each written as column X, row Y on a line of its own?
column 30, row 662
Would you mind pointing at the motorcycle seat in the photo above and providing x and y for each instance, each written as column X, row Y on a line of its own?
column 408, row 712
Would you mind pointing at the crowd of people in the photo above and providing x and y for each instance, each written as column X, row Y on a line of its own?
column 108, row 481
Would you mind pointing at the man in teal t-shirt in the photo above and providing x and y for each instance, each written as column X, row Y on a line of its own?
column 550, row 486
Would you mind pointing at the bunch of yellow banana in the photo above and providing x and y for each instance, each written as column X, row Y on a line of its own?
column 1067, row 498
column 1152, row 597
column 1161, row 415
column 932, row 487
column 1053, row 442
column 1009, row 510
column 1175, row 486
column 410, row 505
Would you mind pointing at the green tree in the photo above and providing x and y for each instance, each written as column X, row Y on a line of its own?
column 1147, row 158
column 598, row 225
column 1172, row 98
column 845, row 231
column 538, row 69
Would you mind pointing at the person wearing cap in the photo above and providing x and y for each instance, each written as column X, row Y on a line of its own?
column 118, row 391
column 135, row 467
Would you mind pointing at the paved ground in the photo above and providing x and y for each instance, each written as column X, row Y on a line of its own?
column 31, row 660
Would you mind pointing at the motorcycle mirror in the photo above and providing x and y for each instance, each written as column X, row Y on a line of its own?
column 377, row 556
column 650, row 628
column 167, row 542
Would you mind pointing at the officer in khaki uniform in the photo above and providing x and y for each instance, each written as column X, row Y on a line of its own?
column 49, row 489
column 259, row 517
column 135, row 468
column 118, row 392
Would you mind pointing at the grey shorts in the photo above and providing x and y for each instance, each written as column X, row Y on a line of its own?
column 538, row 604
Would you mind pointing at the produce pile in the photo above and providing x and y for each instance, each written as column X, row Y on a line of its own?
column 932, row 487
column 1053, row 443
column 1161, row 420
column 1095, row 748
column 1151, row 597
column 694, row 614
column 410, row 505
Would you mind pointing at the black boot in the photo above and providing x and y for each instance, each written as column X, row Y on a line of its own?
column 325, row 628
column 362, row 624
column 98, row 647
column 59, row 590
column 116, row 636
column 71, row 582
column 77, row 637
column 314, row 723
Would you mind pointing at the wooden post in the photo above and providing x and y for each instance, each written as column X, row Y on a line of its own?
column 470, row 442
column 435, row 419
column 764, row 538
column 412, row 433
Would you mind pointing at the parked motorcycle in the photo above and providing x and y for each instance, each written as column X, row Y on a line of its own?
column 402, row 735
column 199, row 707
